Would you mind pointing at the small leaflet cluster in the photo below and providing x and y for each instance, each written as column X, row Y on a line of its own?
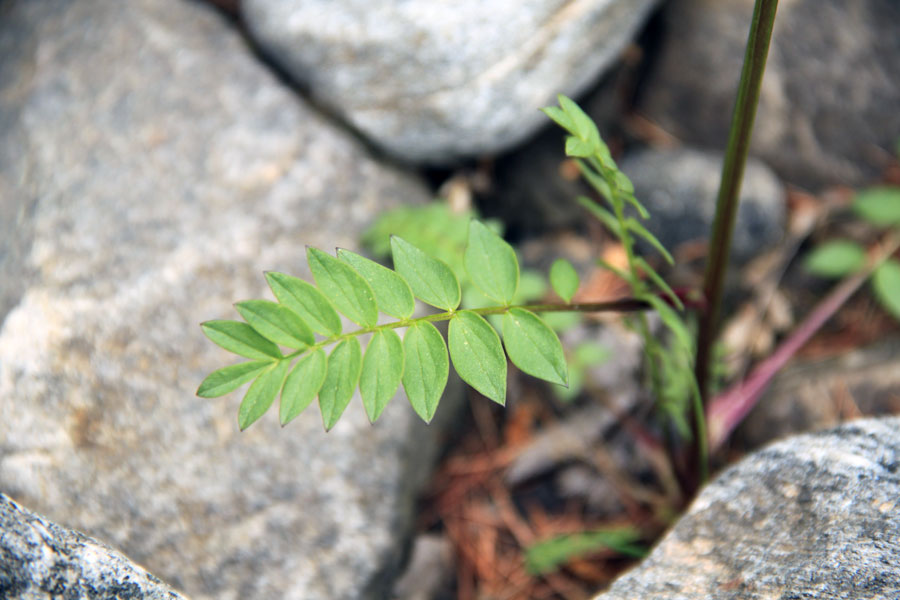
column 880, row 207
column 306, row 319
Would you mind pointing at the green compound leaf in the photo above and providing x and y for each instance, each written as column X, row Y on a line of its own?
column 304, row 299
column 564, row 279
column 277, row 323
column 835, row 259
column 491, row 263
column 382, row 369
column 533, row 347
column 478, row 355
column 220, row 382
column 346, row 288
column 886, row 283
column 302, row 385
column 392, row 293
column 596, row 180
column 344, row 366
column 262, row 393
column 426, row 368
column 879, row 205
column 240, row 338
column 430, row 279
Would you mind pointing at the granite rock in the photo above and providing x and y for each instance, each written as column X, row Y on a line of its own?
column 40, row 559
column 160, row 168
column 814, row 516
column 435, row 81
column 679, row 188
column 828, row 107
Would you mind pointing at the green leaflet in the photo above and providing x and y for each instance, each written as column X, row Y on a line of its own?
column 277, row 323
column 261, row 394
column 548, row 555
column 478, row 355
column 430, row 279
column 886, row 283
column 533, row 347
column 671, row 320
column 304, row 299
column 660, row 282
column 228, row 379
column 491, row 263
column 836, row 258
column 240, row 338
column 879, row 205
column 346, row 288
column 344, row 365
column 392, row 293
column 603, row 215
column 382, row 369
column 582, row 125
column 564, row 279
column 302, row 385
column 426, row 368
column 635, row 227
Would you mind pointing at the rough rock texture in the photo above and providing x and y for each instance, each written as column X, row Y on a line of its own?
column 828, row 112
column 815, row 394
column 40, row 559
column 161, row 169
column 679, row 189
column 433, row 81
column 815, row 516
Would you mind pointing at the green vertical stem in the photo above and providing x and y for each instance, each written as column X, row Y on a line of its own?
column 730, row 186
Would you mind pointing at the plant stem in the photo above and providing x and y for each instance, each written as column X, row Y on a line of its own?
column 732, row 173
column 621, row 305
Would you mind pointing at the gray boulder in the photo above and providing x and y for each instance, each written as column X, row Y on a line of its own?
column 160, row 169
column 828, row 111
column 815, row 516
column 434, row 81
column 40, row 559
column 679, row 189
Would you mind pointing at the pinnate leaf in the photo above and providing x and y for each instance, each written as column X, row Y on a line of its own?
column 227, row 379
column 879, row 205
column 426, row 368
column 382, row 369
column 262, row 393
column 430, row 279
column 346, row 288
column 477, row 355
column 304, row 299
column 583, row 126
column 533, row 346
column 564, row 279
column 836, row 258
column 491, row 263
column 240, row 338
column 886, row 283
column 344, row 366
column 277, row 323
column 302, row 385
column 392, row 293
